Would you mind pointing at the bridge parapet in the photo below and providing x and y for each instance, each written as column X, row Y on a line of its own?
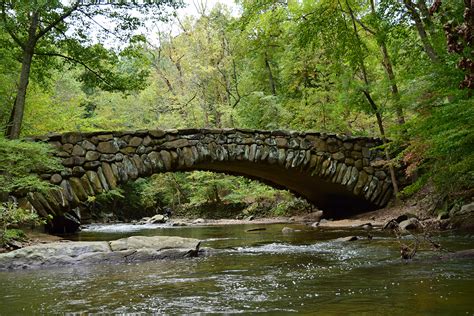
column 332, row 171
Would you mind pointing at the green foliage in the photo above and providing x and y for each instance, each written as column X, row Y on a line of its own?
column 197, row 194
column 13, row 234
column 12, row 215
column 416, row 186
column 21, row 162
column 448, row 133
column 109, row 196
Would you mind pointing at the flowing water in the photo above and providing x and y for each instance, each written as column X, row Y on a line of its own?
column 267, row 272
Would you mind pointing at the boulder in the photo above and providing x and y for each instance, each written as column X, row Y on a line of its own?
column 393, row 223
column 314, row 216
column 199, row 221
column 158, row 219
column 156, row 243
column 125, row 250
column 367, row 226
column 466, row 209
column 463, row 217
column 411, row 224
column 288, row 230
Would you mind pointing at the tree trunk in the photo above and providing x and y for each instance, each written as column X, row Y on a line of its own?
column 8, row 128
column 387, row 65
column 270, row 75
column 421, row 31
column 19, row 107
column 426, row 16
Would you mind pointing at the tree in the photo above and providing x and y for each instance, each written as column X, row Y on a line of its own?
column 418, row 12
column 52, row 28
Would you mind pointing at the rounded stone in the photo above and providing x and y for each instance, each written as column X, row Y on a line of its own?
column 56, row 179
column 73, row 161
column 92, row 156
column 109, row 147
column 78, row 151
column 135, row 142
column 87, row 145
column 339, row 156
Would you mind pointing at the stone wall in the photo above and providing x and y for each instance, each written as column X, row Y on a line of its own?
column 338, row 166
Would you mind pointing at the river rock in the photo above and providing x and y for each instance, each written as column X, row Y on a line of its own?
column 314, row 216
column 125, row 250
column 463, row 218
column 199, row 221
column 411, row 224
column 395, row 222
column 467, row 209
column 158, row 219
column 287, row 230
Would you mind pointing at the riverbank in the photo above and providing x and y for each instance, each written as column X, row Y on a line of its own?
column 32, row 237
column 302, row 219
column 420, row 207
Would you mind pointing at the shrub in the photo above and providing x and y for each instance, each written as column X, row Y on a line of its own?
column 21, row 162
column 12, row 215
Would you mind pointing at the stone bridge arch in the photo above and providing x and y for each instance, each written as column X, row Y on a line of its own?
column 339, row 174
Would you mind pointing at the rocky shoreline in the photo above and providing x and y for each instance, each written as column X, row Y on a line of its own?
column 408, row 216
column 125, row 250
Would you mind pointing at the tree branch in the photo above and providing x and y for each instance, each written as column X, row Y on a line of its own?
column 100, row 25
column 61, row 18
column 76, row 61
column 365, row 27
column 9, row 30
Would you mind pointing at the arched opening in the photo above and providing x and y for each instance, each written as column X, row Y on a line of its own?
column 326, row 195
column 192, row 194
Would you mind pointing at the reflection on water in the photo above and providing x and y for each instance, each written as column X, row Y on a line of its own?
column 264, row 271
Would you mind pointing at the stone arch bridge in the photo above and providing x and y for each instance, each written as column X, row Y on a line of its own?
column 338, row 174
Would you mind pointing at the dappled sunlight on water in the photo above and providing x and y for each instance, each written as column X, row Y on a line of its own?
column 266, row 271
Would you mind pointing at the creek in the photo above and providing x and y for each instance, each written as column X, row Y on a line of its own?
column 262, row 271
